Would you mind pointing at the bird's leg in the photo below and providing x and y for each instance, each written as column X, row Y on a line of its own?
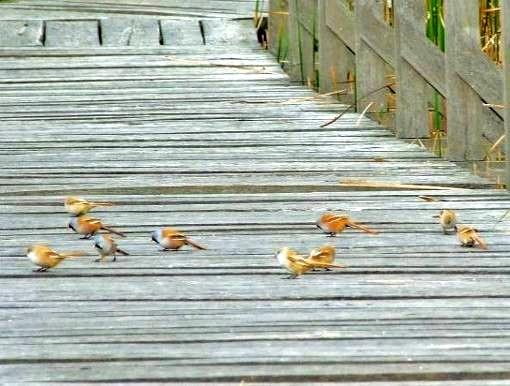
column 332, row 234
column 114, row 257
column 291, row 277
column 41, row 269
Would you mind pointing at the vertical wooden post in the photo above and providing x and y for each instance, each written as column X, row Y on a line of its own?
column 336, row 59
column 276, row 24
column 505, row 17
column 294, row 65
column 411, row 117
column 302, row 33
column 370, row 67
column 465, row 112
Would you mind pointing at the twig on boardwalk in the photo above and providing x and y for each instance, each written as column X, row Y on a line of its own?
column 388, row 86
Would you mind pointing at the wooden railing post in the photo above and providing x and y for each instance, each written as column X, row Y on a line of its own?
column 471, row 79
column 371, row 34
column 336, row 58
column 303, row 31
column 411, row 117
column 276, row 24
column 505, row 16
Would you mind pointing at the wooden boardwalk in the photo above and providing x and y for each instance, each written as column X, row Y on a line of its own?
column 216, row 141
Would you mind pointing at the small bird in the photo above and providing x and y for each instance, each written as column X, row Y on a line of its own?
column 106, row 246
column 324, row 254
column 46, row 258
column 469, row 237
column 297, row 265
column 89, row 226
column 170, row 238
column 332, row 224
column 79, row 206
column 447, row 219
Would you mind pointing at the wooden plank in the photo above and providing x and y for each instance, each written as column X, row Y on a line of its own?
column 468, row 119
column 22, row 33
column 130, row 32
column 336, row 60
column 506, row 85
column 180, row 32
column 72, row 34
column 412, row 115
column 376, row 34
column 340, row 20
column 216, row 141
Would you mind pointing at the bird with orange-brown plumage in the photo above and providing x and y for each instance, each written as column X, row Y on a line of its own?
column 78, row 206
column 332, row 224
column 297, row 265
column 172, row 239
column 89, row 226
column 469, row 237
column 46, row 258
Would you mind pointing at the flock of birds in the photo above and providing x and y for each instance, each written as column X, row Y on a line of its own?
column 322, row 258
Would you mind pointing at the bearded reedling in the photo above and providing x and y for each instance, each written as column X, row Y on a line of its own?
column 297, row 265
column 469, row 237
column 46, row 258
column 107, row 246
column 89, row 226
column 447, row 219
column 170, row 238
column 324, row 254
column 332, row 224
column 78, row 206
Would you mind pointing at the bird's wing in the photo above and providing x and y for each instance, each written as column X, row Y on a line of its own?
column 53, row 255
column 93, row 221
column 296, row 259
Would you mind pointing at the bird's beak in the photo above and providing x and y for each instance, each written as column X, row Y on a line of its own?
column 436, row 216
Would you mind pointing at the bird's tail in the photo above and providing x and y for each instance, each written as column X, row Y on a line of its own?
column 66, row 255
column 480, row 242
column 316, row 264
column 352, row 224
column 194, row 245
column 96, row 204
column 122, row 252
column 111, row 230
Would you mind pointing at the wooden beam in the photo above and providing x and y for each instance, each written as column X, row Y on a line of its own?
column 506, row 86
column 336, row 60
column 411, row 118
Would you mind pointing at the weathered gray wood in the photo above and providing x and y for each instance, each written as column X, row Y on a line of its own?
column 412, row 117
column 180, row 33
column 506, row 79
column 124, row 31
column 14, row 33
column 336, row 60
column 72, row 33
column 223, row 31
column 215, row 141
column 468, row 119
column 340, row 19
column 162, row 8
column 370, row 66
column 277, row 26
column 303, row 30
